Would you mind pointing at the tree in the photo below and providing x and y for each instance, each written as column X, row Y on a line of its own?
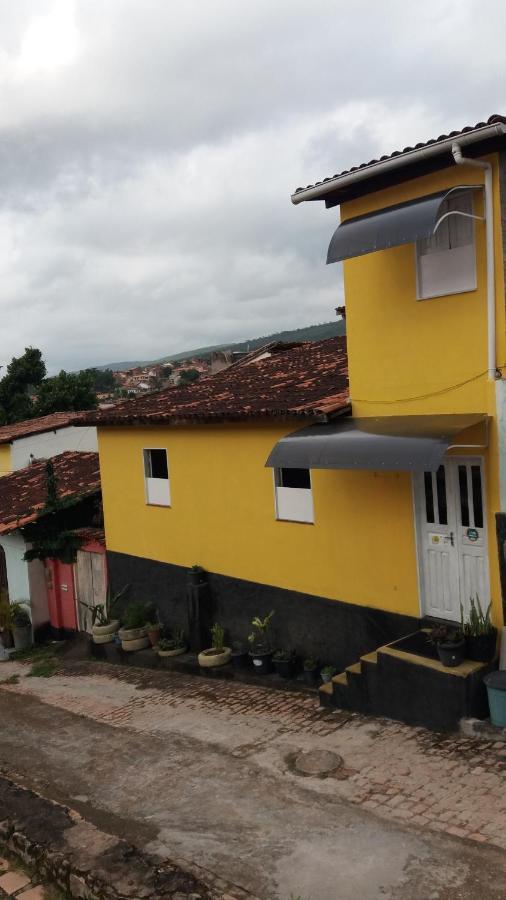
column 66, row 392
column 186, row 376
column 103, row 379
column 24, row 374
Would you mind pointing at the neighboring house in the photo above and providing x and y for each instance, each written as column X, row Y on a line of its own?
column 355, row 515
column 51, row 587
column 44, row 437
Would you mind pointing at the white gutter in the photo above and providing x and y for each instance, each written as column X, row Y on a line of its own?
column 489, row 225
column 403, row 159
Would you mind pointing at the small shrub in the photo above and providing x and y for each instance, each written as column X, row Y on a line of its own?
column 218, row 636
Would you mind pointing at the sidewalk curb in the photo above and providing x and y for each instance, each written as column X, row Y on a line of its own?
column 71, row 866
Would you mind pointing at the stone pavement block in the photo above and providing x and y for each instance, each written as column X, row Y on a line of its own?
column 33, row 893
column 13, row 881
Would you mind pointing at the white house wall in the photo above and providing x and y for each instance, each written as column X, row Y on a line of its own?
column 43, row 446
column 17, row 569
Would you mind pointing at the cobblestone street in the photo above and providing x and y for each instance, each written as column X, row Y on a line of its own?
column 435, row 782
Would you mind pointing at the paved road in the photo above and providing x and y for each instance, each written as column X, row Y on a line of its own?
column 215, row 784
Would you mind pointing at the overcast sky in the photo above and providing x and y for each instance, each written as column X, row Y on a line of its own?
column 148, row 151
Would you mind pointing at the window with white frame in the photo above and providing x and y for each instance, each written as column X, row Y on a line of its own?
column 156, row 477
column 446, row 262
column 294, row 497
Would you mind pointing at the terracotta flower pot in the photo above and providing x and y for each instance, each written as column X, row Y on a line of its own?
column 154, row 635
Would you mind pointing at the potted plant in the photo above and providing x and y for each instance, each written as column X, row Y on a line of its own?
column 240, row 655
column 21, row 625
column 5, row 621
column 479, row 633
column 104, row 620
column 133, row 634
column 450, row 645
column 196, row 575
column 218, row 654
column 310, row 672
column 173, row 646
column 327, row 674
column 284, row 662
column 154, row 631
column 261, row 653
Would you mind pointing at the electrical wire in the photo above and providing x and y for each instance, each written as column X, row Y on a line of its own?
column 446, row 390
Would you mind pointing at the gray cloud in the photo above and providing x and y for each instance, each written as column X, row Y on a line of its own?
column 148, row 151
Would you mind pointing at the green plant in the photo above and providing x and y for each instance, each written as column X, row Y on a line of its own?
column 43, row 668
column 328, row 670
column 196, row 568
column 218, row 636
column 477, row 622
column 284, row 655
column 174, row 642
column 310, row 664
column 19, row 614
column 105, row 613
column 259, row 637
column 138, row 613
column 445, row 634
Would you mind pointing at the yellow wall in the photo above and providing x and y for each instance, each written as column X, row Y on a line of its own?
column 5, row 459
column 361, row 548
column 400, row 347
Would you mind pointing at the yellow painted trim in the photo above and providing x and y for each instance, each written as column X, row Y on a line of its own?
column 325, row 688
column 466, row 668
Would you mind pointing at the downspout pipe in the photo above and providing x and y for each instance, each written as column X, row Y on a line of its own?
column 462, row 160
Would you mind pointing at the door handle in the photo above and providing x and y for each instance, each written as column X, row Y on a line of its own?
column 451, row 539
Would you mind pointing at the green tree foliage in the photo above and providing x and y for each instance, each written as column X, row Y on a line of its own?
column 66, row 392
column 103, row 379
column 186, row 376
column 23, row 376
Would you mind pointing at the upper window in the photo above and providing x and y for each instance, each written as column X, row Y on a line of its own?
column 294, row 497
column 446, row 262
column 156, row 476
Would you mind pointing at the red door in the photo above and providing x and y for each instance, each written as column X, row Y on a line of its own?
column 61, row 595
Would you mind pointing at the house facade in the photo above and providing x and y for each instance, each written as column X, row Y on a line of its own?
column 357, row 512
column 21, row 445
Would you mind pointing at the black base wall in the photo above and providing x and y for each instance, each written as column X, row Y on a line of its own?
column 333, row 631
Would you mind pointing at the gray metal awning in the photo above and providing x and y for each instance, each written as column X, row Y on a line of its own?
column 404, row 223
column 390, row 443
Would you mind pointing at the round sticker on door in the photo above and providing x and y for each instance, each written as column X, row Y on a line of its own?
column 472, row 534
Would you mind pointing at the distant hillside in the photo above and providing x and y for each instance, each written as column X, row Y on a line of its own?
column 309, row 333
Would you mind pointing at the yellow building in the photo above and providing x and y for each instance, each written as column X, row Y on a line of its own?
column 377, row 507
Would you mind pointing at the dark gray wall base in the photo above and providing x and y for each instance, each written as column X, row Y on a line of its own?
column 333, row 631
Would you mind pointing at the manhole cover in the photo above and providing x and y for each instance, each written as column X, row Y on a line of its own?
column 318, row 762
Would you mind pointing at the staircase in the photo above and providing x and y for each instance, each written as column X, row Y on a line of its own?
column 415, row 689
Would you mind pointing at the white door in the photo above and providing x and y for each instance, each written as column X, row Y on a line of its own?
column 452, row 537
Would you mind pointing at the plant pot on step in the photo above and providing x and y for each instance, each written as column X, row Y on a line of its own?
column 104, row 634
column 177, row 651
column 154, row 634
column 196, row 576
column 262, row 661
column 310, row 672
column 22, row 635
column 451, row 653
column 210, row 659
column 481, row 647
column 133, row 639
column 240, row 656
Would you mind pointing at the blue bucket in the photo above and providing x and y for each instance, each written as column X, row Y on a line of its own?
column 496, row 689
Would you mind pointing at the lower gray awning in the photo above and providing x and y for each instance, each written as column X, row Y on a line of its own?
column 392, row 443
column 404, row 223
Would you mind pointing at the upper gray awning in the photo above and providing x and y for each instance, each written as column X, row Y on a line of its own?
column 392, row 443
column 404, row 223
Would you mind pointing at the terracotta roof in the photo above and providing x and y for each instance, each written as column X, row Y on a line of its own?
column 52, row 422
column 442, row 137
column 23, row 493
column 310, row 379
